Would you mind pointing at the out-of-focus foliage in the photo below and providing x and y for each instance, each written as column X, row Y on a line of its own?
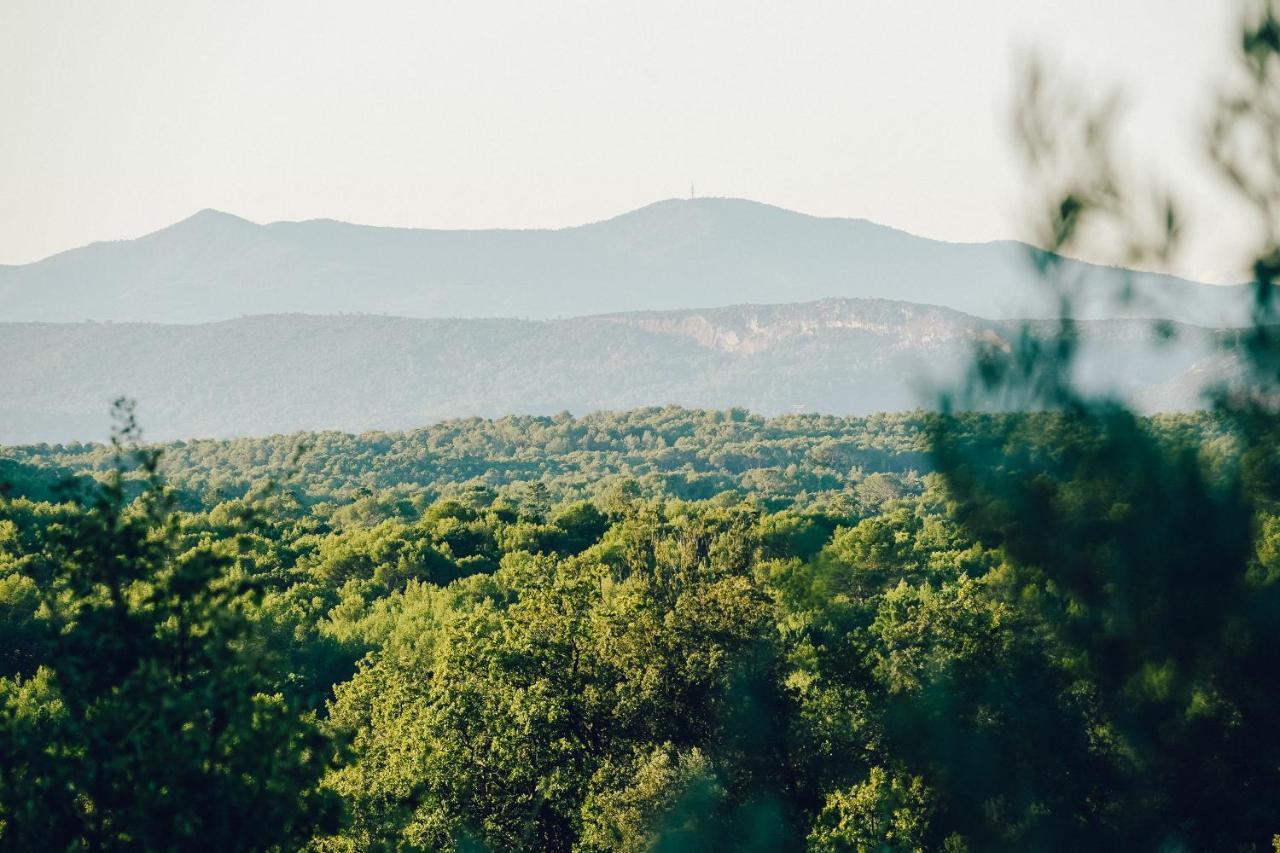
column 1146, row 570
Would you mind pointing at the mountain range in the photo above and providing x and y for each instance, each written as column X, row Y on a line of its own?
column 674, row 254
column 283, row 373
column 220, row 327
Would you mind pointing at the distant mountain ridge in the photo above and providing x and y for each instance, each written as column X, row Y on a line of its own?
column 674, row 254
column 283, row 373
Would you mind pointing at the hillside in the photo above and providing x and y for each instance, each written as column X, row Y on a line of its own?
column 673, row 254
column 281, row 373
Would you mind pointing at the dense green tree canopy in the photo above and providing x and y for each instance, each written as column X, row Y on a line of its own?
column 887, row 662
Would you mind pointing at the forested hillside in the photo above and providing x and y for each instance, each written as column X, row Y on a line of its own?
column 789, row 460
column 662, row 629
column 260, row 375
column 683, row 453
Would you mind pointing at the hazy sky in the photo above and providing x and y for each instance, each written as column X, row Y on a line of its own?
column 117, row 118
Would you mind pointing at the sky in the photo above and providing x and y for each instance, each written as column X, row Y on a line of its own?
column 117, row 119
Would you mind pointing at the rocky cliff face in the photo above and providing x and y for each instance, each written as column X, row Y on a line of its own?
column 750, row 329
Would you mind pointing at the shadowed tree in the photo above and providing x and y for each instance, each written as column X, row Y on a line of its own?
column 148, row 722
column 1138, row 556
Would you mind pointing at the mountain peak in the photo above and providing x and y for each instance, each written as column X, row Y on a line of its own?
column 203, row 225
column 211, row 216
column 706, row 204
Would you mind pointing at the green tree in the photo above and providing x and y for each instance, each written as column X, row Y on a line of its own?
column 1134, row 555
column 148, row 724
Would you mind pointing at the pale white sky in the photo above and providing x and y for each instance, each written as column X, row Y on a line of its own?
column 119, row 118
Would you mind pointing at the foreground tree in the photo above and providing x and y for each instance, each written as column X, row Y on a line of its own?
column 144, row 721
column 1137, row 557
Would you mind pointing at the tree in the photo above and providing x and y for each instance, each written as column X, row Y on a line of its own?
column 148, row 723
column 1135, row 555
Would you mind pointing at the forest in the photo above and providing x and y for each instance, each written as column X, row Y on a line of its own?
column 661, row 629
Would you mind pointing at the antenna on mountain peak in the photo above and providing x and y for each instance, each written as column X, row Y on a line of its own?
column 692, row 195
